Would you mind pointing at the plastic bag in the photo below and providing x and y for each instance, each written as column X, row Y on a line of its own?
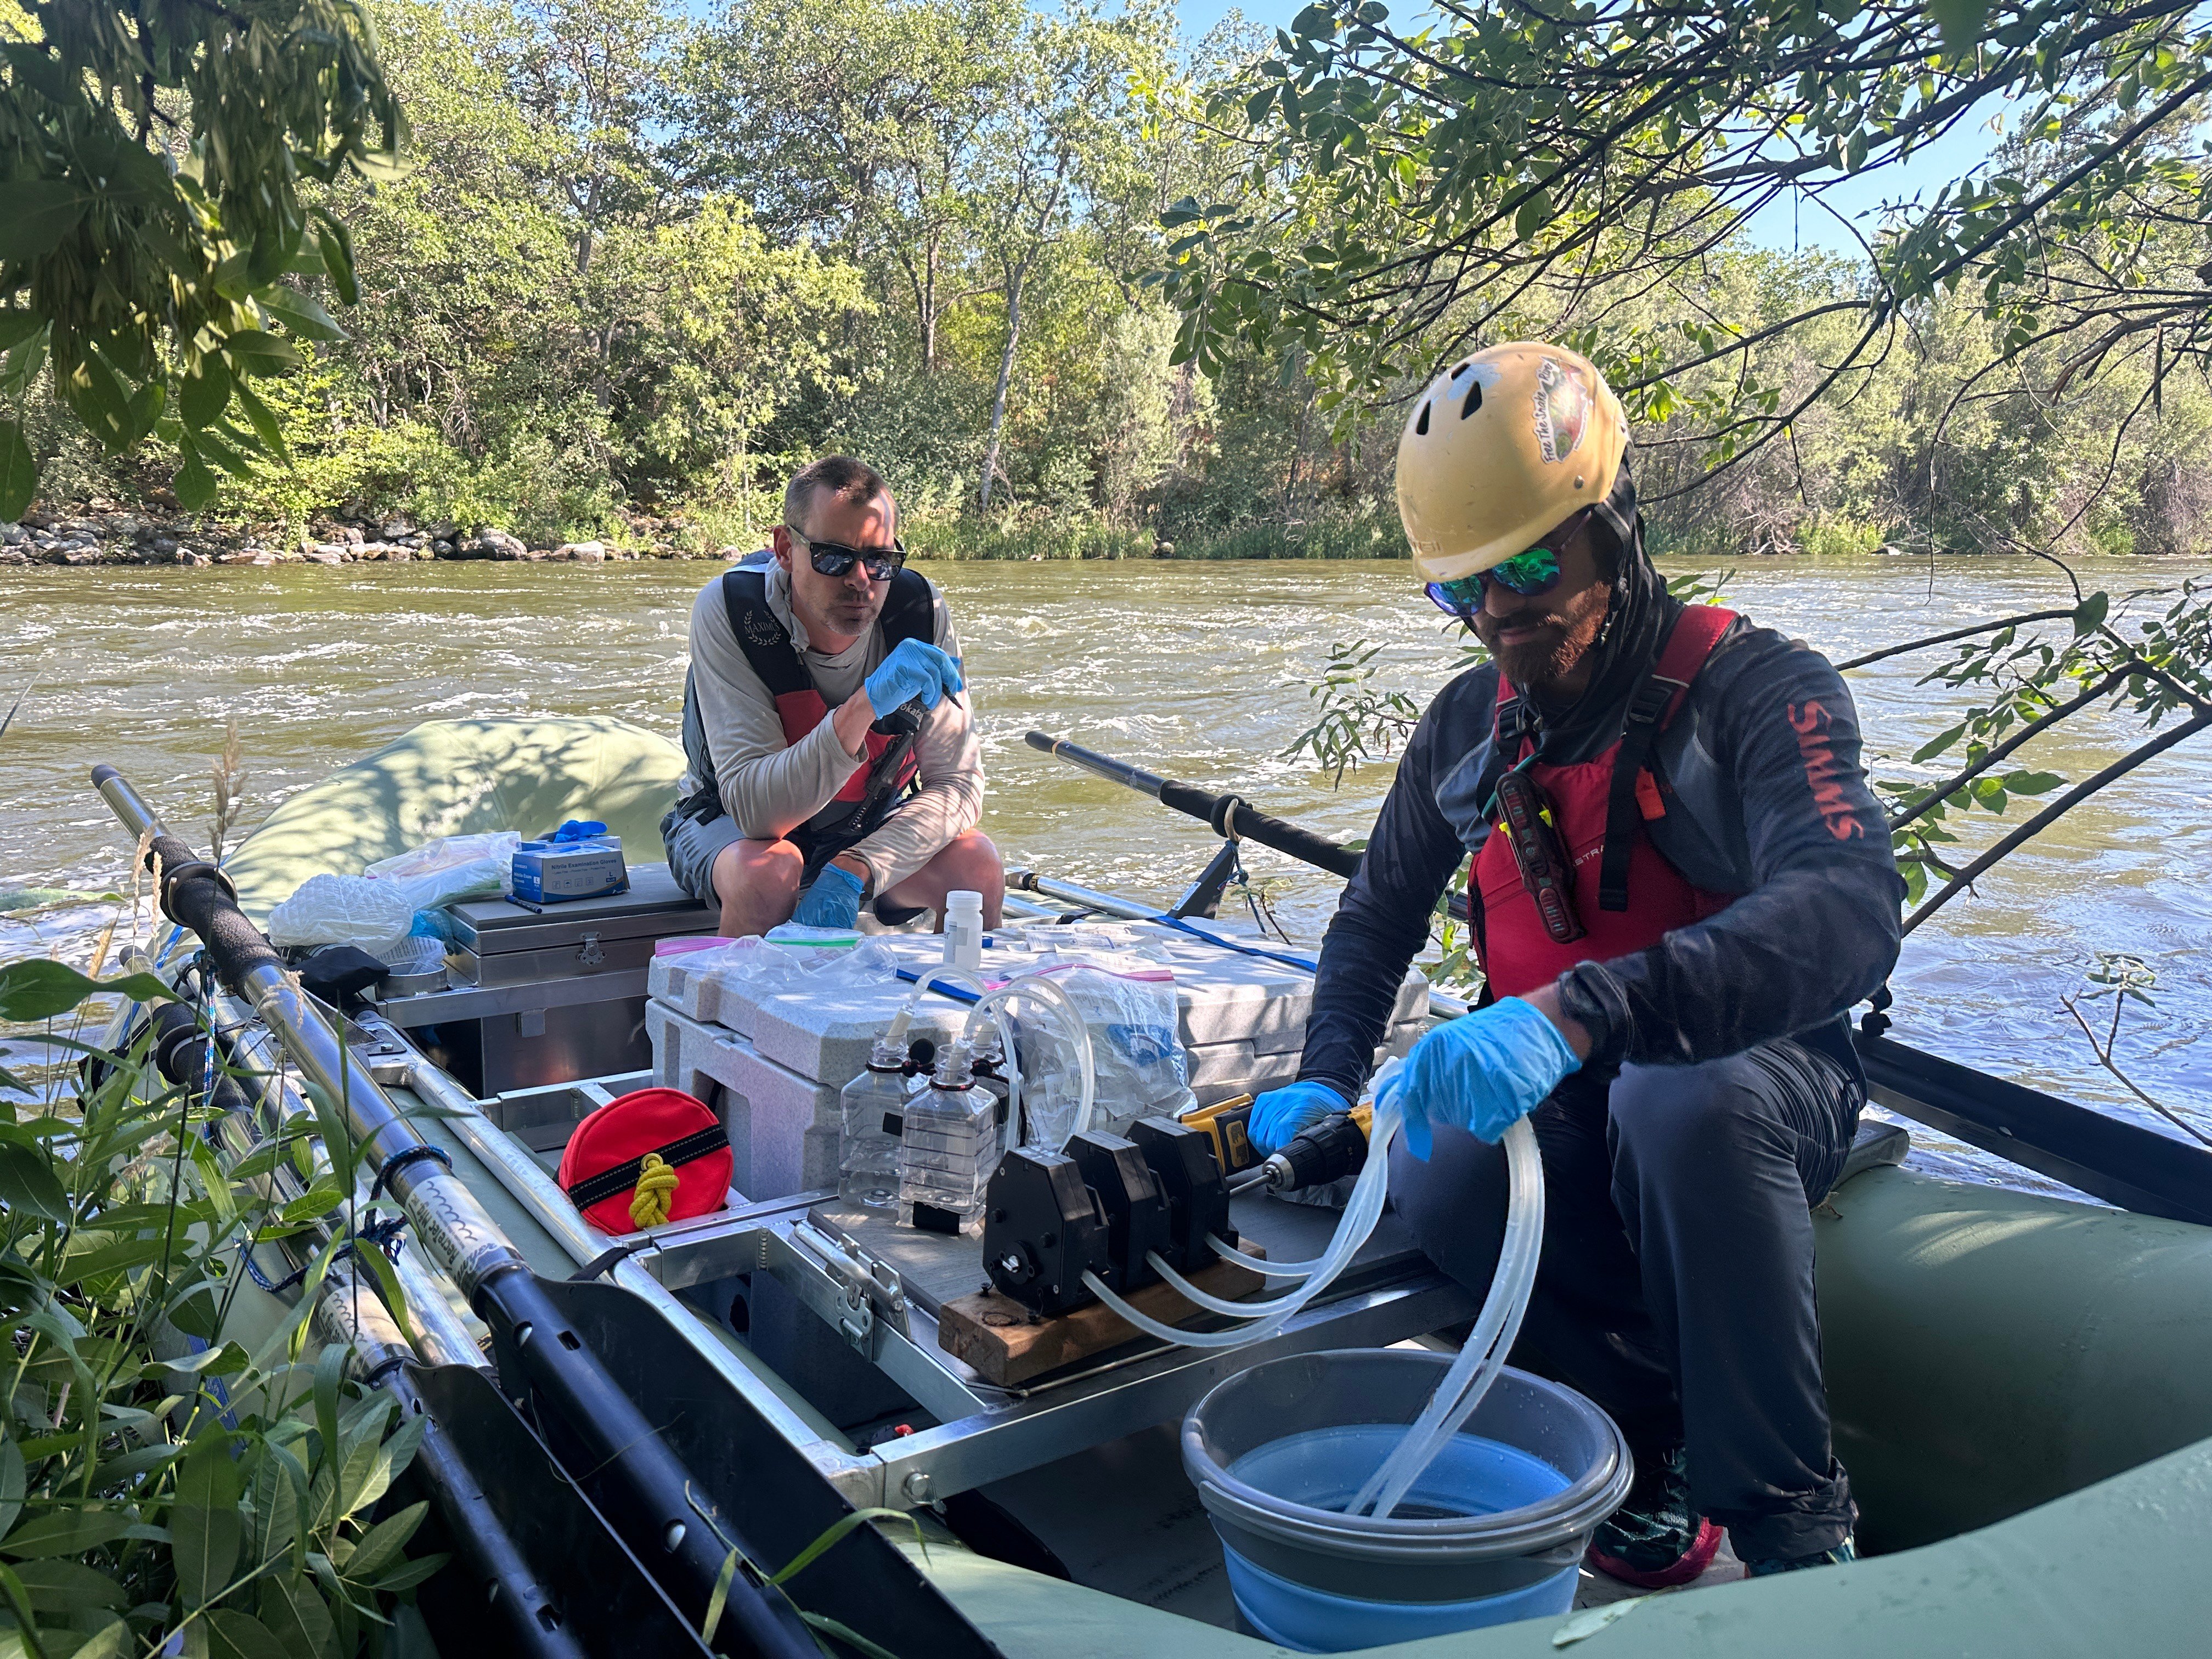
column 1135, row 1047
column 451, row 868
column 371, row 915
column 762, row 966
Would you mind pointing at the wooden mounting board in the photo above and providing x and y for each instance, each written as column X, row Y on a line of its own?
column 1006, row 1344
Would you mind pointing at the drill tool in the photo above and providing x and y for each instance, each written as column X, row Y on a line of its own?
column 1318, row 1154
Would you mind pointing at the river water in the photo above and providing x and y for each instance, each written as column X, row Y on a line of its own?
column 1196, row 670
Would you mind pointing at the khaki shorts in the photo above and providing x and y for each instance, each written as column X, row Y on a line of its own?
column 693, row 845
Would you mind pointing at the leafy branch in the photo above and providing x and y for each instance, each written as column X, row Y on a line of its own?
column 152, row 224
column 2123, row 978
column 158, row 1482
column 2166, row 669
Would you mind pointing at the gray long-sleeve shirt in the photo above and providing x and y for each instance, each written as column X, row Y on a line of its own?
column 771, row 788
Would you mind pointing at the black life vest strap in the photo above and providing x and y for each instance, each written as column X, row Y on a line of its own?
column 766, row 642
column 910, row 612
column 1647, row 712
column 608, row 1183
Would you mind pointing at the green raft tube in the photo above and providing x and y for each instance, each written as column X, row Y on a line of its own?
column 2022, row 1383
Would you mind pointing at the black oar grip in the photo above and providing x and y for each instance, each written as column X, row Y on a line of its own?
column 195, row 894
column 1233, row 816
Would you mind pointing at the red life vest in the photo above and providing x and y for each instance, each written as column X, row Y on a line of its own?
column 1627, row 895
column 908, row 612
column 802, row 711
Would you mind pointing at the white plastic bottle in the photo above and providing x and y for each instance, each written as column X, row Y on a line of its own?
column 867, row 1153
column 949, row 1149
column 964, row 930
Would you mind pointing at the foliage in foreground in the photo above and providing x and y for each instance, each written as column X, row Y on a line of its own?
column 156, row 1482
column 152, row 161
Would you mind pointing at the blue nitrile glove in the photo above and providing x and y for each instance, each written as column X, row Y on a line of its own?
column 1279, row 1113
column 914, row 670
column 834, row 900
column 1483, row 1072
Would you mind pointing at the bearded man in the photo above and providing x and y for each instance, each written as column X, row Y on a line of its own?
column 1681, row 884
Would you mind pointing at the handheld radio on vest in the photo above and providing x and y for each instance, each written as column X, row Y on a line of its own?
column 1526, row 817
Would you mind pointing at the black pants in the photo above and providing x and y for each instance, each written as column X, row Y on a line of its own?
column 1675, row 1287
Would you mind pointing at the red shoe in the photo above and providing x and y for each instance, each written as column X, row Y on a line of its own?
column 1685, row 1566
column 1654, row 1541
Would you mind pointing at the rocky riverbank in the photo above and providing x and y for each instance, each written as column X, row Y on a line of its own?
column 121, row 536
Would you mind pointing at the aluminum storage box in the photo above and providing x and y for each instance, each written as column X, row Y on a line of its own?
column 546, row 996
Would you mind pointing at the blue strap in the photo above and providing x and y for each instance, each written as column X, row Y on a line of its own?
column 385, row 1234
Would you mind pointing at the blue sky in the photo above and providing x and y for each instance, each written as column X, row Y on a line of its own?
column 1784, row 225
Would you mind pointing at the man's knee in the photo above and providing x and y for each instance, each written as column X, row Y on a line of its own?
column 1688, row 1119
column 971, row 862
column 761, row 870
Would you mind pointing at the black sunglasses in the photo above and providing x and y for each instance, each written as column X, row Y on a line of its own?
column 835, row 558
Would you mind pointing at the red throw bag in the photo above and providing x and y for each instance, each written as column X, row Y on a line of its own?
column 607, row 1155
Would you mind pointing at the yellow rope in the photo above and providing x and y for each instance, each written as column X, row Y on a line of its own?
column 656, row 1193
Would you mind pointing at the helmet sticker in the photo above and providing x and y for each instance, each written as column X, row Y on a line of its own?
column 1563, row 410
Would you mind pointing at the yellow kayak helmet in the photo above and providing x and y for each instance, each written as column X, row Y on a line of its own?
column 1502, row 447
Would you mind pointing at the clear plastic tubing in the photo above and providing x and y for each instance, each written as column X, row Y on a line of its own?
column 1260, row 1265
column 1479, row 1361
column 1044, row 989
column 1361, row 1212
column 1483, row 1353
column 990, row 1002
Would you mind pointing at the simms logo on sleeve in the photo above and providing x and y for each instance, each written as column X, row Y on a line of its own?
column 1810, row 722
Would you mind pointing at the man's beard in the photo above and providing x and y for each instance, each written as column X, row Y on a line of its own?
column 1566, row 634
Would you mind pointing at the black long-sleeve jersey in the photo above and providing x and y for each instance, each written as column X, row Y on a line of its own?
column 1765, row 756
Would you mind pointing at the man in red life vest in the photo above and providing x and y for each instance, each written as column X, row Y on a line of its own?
column 1681, row 884
column 831, row 758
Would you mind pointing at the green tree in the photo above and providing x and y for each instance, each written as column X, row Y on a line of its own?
column 153, row 171
column 1411, row 192
column 859, row 129
column 1061, row 141
column 725, row 331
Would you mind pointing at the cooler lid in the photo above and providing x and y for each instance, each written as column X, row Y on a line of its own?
column 654, row 906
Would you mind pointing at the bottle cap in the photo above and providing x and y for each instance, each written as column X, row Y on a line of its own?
column 954, row 1068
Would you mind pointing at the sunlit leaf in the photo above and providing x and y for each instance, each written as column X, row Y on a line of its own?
column 70, row 1530
column 204, row 394
column 19, row 472
column 204, row 1522
column 40, row 989
column 27, row 1183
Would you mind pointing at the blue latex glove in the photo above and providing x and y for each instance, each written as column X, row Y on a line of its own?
column 1279, row 1113
column 1483, row 1072
column 834, row 900
column 914, row 670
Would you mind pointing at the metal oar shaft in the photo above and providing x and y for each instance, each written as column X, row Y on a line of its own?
column 1228, row 814
column 655, row 1496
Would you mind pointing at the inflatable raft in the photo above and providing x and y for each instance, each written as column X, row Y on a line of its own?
column 2022, row 1384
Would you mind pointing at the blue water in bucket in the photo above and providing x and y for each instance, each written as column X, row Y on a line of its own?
column 1323, row 1468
